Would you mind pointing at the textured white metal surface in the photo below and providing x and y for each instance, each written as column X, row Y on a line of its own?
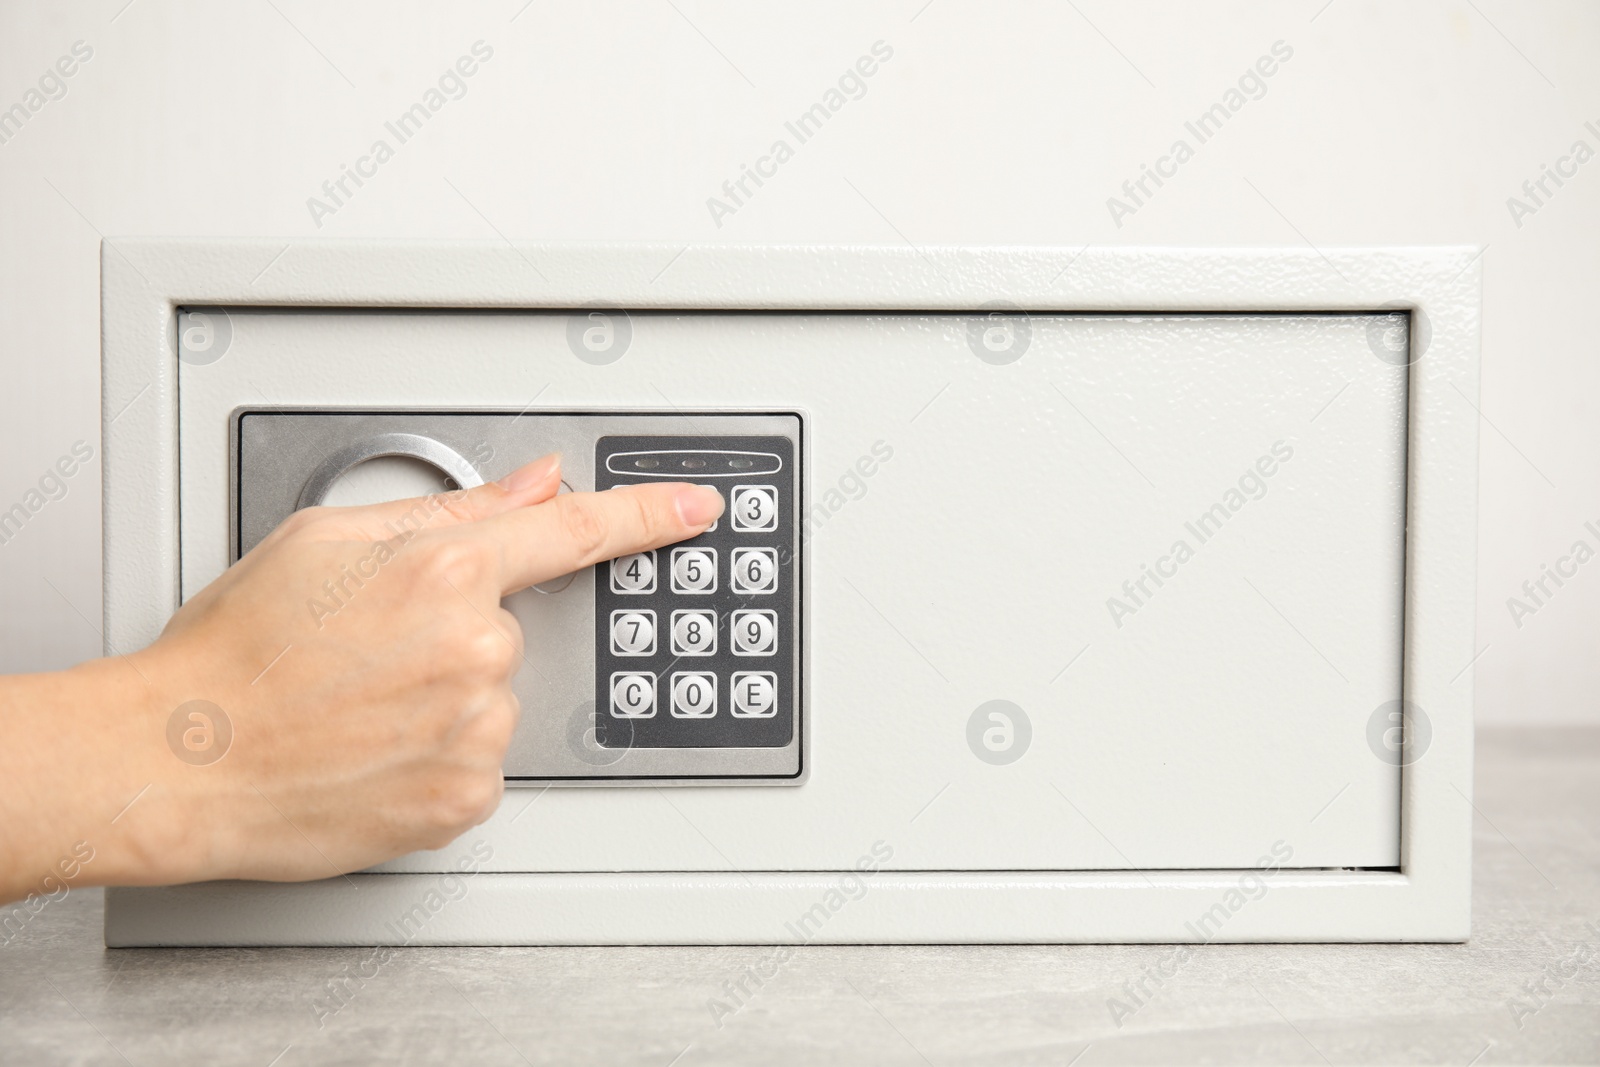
column 1427, row 900
column 763, row 908
column 1026, row 523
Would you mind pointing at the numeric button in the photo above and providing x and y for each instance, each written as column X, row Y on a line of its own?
column 755, row 507
column 634, row 573
column 755, row 570
column 633, row 633
column 694, row 633
column 633, row 695
column 755, row 694
column 694, row 570
column 755, row 633
column 694, row 695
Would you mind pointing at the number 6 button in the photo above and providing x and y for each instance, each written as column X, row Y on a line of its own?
column 755, row 633
column 755, row 570
column 755, row 507
column 694, row 570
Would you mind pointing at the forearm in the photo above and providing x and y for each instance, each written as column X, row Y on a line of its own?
column 81, row 745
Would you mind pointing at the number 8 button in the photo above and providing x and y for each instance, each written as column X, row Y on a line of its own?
column 694, row 633
column 755, row 507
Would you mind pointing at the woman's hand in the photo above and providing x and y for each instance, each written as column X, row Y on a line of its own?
column 363, row 662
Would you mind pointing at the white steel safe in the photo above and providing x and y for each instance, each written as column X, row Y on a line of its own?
column 1104, row 595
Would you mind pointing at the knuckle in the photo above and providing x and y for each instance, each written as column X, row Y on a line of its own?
column 501, row 722
column 490, row 794
column 471, row 799
column 299, row 522
column 647, row 516
column 457, row 561
column 459, row 505
column 585, row 525
column 486, row 651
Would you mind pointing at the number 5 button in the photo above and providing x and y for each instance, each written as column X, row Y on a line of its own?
column 694, row 570
column 755, row 507
column 755, row 633
column 755, row 570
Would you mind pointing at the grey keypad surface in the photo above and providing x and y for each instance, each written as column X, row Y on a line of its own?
column 695, row 643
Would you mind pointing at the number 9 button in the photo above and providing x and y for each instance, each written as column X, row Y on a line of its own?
column 755, row 633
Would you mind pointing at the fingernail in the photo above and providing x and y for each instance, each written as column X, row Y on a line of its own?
column 532, row 474
column 699, row 505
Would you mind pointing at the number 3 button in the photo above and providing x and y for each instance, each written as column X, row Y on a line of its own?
column 755, row 507
column 755, row 570
column 694, row 570
column 755, row 633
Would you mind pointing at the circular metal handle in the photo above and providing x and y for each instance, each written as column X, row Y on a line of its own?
column 412, row 445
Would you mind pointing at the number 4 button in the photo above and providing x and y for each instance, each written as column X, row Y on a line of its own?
column 635, row 573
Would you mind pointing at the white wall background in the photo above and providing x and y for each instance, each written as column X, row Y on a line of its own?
column 1392, row 124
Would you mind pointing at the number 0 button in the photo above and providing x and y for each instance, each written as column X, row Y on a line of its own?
column 755, row 507
column 635, row 573
column 755, row 694
column 633, row 695
column 694, row 570
column 633, row 633
column 694, row 695
column 755, row 570
column 755, row 633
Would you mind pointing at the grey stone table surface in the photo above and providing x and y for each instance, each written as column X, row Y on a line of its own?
column 1525, row 989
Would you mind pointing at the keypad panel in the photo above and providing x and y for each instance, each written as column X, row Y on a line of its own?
column 697, row 644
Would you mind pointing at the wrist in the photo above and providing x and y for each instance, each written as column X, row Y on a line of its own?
column 65, row 738
column 166, row 817
column 133, row 808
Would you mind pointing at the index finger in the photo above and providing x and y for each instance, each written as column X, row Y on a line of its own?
column 578, row 530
